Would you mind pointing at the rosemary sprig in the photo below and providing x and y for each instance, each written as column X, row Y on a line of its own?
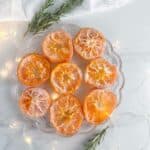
column 39, row 15
column 96, row 140
column 44, row 18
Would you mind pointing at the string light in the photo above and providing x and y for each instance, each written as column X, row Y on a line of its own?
column 28, row 139
column 53, row 148
column 2, row 34
column 18, row 59
column 54, row 143
column 3, row 73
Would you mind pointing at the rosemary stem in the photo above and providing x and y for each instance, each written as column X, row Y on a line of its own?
column 97, row 139
column 45, row 18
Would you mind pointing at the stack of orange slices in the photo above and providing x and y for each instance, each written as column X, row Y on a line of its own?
column 67, row 113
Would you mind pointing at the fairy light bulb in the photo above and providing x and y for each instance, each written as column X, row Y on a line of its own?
column 18, row 59
column 3, row 34
column 3, row 73
column 28, row 139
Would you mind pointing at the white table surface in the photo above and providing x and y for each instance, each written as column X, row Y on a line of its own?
column 128, row 28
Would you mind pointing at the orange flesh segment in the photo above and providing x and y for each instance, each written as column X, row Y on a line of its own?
column 66, row 114
column 89, row 43
column 98, row 106
column 66, row 78
column 100, row 73
column 58, row 47
column 34, row 102
column 33, row 70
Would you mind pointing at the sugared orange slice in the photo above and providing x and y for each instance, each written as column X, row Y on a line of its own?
column 66, row 114
column 89, row 43
column 34, row 102
column 66, row 78
column 33, row 70
column 58, row 47
column 98, row 105
column 100, row 73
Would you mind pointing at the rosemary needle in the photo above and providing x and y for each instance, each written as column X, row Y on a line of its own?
column 44, row 18
column 96, row 140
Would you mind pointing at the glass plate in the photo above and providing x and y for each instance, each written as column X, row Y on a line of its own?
column 33, row 44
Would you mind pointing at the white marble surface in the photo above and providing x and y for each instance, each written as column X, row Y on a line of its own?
column 128, row 28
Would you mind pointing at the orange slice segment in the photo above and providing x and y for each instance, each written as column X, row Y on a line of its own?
column 89, row 43
column 66, row 114
column 100, row 73
column 66, row 78
column 98, row 105
column 33, row 70
column 58, row 47
column 34, row 102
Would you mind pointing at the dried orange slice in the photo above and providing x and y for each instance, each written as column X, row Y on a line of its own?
column 98, row 105
column 33, row 70
column 66, row 78
column 58, row 47
column 34, row 102
column 89, row 43
column 100, row 73
column 66, row 114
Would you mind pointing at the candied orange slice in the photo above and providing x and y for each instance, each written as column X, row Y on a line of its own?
column 66, row 114
column 58, row 47
column 33, row 70
column 89, row 43
column 100, row 73
column 66, row 78
column 34, row 102
column 98, row 105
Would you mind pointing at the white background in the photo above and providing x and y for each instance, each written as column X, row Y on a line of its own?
column 128, row 28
